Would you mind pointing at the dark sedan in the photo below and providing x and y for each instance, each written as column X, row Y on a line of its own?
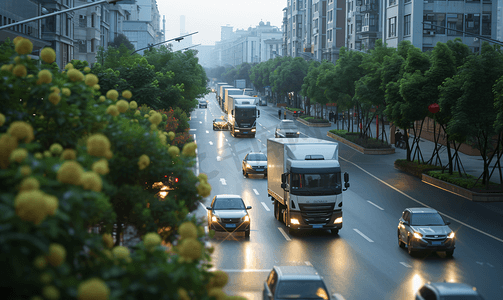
column 229, row 213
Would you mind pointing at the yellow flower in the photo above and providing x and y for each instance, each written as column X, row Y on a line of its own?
column 17, row 39
column 203, row 177
column 38, row 155
column 52, row 203
column 122, row 106
column 182, row 294
column 75, row 75
column 127, row 94
column 56, row 149
column 93, row 289
column 25, row 170
column 45, row 278
column 108, row 240
column 7, row 144
column 190, row 249
column 136, row 113
column 98, row 145
column 143, row 162
column 22, row 131
column 120, row 252
column 69, row 66
column 92, row 181
column 87, row 69
column 133, row 105
column 163, row 139
column 173, row 151
column 2, row 119
column 7, row 68
column 146, row 115
column 48, row 55
column 66, row 91
column 47, row 153
column 18, row 155
column 24, row 46
column 29, row 184
column 102, row 98
column 56, row 255
column 204, row 189
column 189, row 149
column 219, row 279
column 112, row 94
column 109, row 154
column 96, row 87
column 50, row 292
column 68, row 154
column 151, row 112
column 171, row 135
column 151, row 240
column 30, row 206
column 91, row 80
column 44, row 76
column 155, row 118
column 113, row 110
column 40, row 262
column 153, row 127
column 101, row 167
column 217, row 293
column 187, row 230
column 20, row 70
column 55, row 89
column 70, row 172
column 54, row 98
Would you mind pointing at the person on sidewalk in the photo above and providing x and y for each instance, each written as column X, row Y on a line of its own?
column 279, row 114
column 399, row 141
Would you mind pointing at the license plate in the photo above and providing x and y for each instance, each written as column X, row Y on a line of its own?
column 436, row 243
column 260, row 170
column 230, row 225
column 245, row 132
column 317, row 226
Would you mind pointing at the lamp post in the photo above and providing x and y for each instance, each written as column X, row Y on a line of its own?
column 184, row 49
column 178, row 39
column 58, row 12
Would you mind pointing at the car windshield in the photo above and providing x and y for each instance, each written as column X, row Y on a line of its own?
column 301, row 289
column 288, row 126
column 426, row 219
column 229, row 203
column 256, row 157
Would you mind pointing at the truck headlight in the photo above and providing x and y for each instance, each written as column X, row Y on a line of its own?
column 236, row 130
column 294, row 222
column 253, row 130
column 451, row 235
column 338, row 220
column 417, row 235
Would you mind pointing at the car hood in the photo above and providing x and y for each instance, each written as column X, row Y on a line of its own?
column 231, row 213
column 432, row 230
column 257, row 163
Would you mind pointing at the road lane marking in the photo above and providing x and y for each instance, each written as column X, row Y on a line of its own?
column 338, row 296
column 207, row 131
column 364, row 236
column 264, row 145
column 265, row 206
column 226, row 140
column 308, row 263
column 200, row 122
column 203, row 207
column 417, row 201
column 222, row 180
column 219, row 158
column 241, row 271
column 284, row 234
column 211, row 143
column 192, row 129
column 375, row 205
column 405, row 264
column 255, row 191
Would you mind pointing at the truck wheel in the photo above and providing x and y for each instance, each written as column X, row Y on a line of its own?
column 400, row 243
column 277, row 211
column 247, row 234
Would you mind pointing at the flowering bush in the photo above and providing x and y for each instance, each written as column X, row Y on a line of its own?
column 68, row 164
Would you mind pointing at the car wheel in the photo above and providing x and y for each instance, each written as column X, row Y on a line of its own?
column 400, row 243
column 334, row 231
column 449, row 253
column 246, row 175
column 265, row 175
column 410, row 249
column 247, row 233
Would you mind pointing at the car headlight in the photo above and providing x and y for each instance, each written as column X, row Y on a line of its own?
column 214, row 219
column 338, row 220
column 246, row 218
column 248, row 166
column 294, row 222
column 417, row 235
column 451, row 235
column 253, row 130
column 298, row 132
column 236, row 130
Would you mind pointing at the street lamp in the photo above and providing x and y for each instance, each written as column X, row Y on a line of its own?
column 58, row 12
column 178, row 39
column 184, row 49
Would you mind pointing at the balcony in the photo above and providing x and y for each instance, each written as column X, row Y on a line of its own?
column 368, row 8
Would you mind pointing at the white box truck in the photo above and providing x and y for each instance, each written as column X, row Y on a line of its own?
column 242, row 115
column 223, row 88
column 304, row 182
column 228, row 92
column 219, row 92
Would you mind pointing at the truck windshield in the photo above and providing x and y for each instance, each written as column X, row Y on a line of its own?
column 320, row 184
column 242, row 112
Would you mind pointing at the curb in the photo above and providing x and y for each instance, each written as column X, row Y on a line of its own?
column 327, row 124
column 472, row 196
column 360, row 148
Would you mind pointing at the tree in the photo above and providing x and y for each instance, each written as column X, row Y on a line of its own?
column 121, row 39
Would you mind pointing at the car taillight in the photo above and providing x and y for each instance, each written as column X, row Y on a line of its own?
column 176, row 179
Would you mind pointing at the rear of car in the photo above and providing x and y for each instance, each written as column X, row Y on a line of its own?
column 295, row 282
column 447, row 291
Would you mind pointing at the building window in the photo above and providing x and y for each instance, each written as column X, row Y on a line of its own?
column 82, row 21
column 406, row 25
column 391, row 2
column 486, row 24
column 82, row 46
column 455, row 21
column 472, row 23
column 392, row 27
column 433, row 19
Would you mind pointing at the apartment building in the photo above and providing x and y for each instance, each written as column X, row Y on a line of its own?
column 363, row 26
column 142, row 26
column 90, row 31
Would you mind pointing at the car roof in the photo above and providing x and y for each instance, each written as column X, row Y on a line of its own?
column 297, row 273
column 286, row 121
column 227, row 196
column 453, row 288
column 421, row 210
column 256, row 153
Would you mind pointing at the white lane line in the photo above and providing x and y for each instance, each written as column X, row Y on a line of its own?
column 192, row 129
column 259, row 140
column 200, row 122
column 375, row 205
column 203, row 207
column 222, row 180
column 417, row 201
column 405, row 264
column 364, row 236
column 211, row 143
column 255, row 191
column 233, row 153
column 308, row 263
column 227, row 140
column 207, row 131
column 265, row 206
column 264, row 145
column 284, row 234
column 338, row 296
column 241, row 271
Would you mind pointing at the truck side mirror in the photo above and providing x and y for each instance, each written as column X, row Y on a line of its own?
column 283, row 185
column 346, row 177
column 232, row 112
column 283, row 178
column 258, row 113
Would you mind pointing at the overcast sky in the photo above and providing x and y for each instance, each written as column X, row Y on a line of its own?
column 207, row 16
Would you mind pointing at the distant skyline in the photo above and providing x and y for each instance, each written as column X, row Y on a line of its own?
column 207, row 17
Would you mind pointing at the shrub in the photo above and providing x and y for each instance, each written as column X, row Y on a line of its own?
column 365, row 142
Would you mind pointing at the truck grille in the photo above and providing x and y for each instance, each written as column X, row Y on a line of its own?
column 316, row 213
